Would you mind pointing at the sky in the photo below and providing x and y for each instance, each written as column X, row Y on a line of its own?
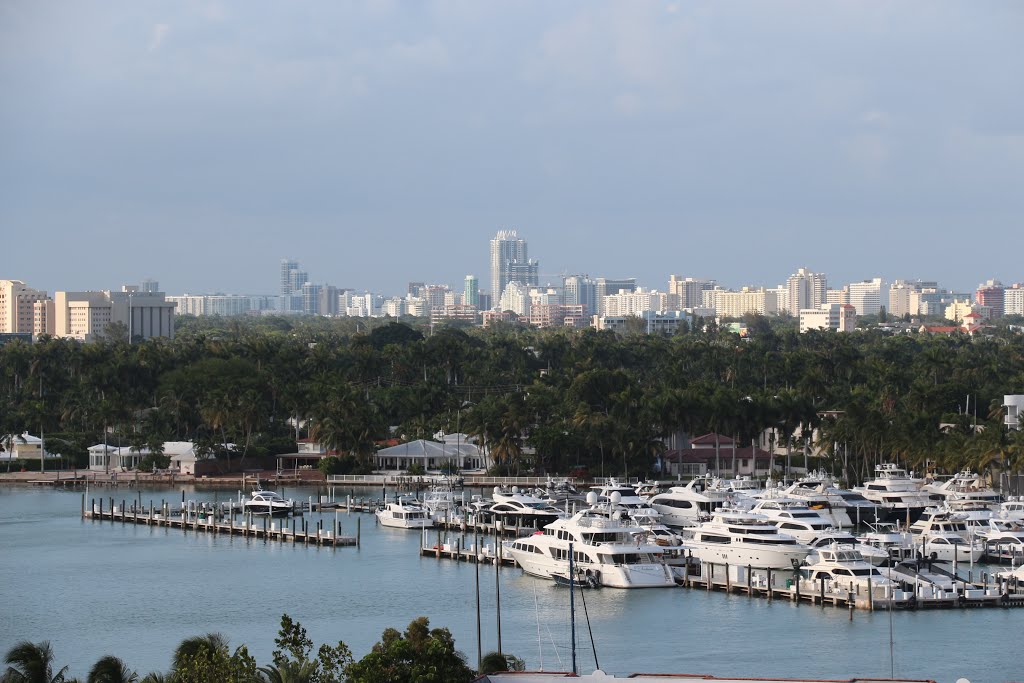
column 199, row 143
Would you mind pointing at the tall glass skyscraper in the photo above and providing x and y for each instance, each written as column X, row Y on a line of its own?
column 506, row 249
column 471, row 291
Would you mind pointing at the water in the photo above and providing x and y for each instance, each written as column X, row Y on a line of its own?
column 95, row 588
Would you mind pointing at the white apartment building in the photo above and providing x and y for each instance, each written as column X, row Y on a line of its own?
column 781, row 297
column 958, row 310
column 1013, row 300
column 730, row 304
column 688, row 292
column 838, row 317
column 806, row 290
column 867, row 296
column 515, row 298
column 656, row 322
column 85, row 315
column 900, row 299
column 17, row 302
column 394, row 307
column 634, row 303
column 837, row 296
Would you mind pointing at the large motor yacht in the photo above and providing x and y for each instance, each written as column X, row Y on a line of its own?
column 263, row 502
column 844, row 539
column 964, row 485
column 740, row 537
column 609, row 552
column 897, row 543
column 1012, row 509
column 900, row 494
column 1004, row 540
column 516, row 510
column 844, row 569
column 687, row 506
column 404, row 513
column 794, row 517
column 943, row 536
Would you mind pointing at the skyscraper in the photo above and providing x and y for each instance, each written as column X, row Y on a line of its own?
column 579, row 290
column 471, row 291
column 287, row 266
column 806, row 290
column 506, row 249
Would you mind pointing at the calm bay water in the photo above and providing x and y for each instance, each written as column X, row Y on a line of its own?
column 96, row 588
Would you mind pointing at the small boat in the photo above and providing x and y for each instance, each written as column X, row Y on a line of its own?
column 404, row 513
column 584, row 579
column 268, row 503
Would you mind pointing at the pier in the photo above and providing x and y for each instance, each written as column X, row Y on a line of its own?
column 215, row 520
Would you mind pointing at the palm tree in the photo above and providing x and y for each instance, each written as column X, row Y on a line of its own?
column 196, row 647
column 31, row 663
column 111, row 669
column 291, row 672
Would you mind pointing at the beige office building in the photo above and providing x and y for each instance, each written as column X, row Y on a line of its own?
column 729, row 304
column 86, row 315
column 17, row 301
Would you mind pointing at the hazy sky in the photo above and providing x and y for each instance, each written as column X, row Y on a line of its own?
column 198, row 143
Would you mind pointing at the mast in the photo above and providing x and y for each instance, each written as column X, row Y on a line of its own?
column 572, row 609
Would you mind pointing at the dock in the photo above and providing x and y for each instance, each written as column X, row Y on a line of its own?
column 199, row 519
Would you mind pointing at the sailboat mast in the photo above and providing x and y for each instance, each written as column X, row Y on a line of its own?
column 572, row 609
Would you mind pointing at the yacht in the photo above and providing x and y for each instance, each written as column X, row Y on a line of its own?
column 944, row 537
column 517, row 510
column 975, row 514
column 964, row 485
column 897, row 492
column 687, row 506
column 887, row 536
column 740, row 537
column 441, row 503
column 609, row 552
column 793, row 517
column 558, row 491
column 818, row 497
column 844, row 569
column 404, row 513
column 1012, row 509
column 1005, row 540
column 844, row 539
column 656, row 532
column 624, row 497
column 263, row 502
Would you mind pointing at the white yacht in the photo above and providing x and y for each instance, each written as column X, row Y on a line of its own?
column 558, row 491
column 263, row 502
column 938, row 533
column 687, row 506
column 844, row 569
column 625, row 497
column 793, row 517
column 975, row 514
column 518, row 510
column 740, row 537
column 608, row 552
column 818, row 497
column 404, row 513
column 441, row 503
column 897, row 492
column 1005, row 540
column 846, row 540
column 1012, row 509
column 964, row 485
column 897, row 543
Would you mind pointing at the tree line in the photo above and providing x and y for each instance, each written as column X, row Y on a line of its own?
column 419, row 654
column 544, row 401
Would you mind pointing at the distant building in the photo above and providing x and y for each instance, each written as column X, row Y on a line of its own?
column 655, row 322
column 991, row 294
column 604, row 286
column 838, row 317
column 515, row 298
column 867, row 296
column 627, row 303
column 471, row 291
column 288, row 266
column 1014, row 404
column 17, row 307
column 86, row 315
column 580, row 290
column 506, row 248
column 688, row 291
column 731, row 304
column 807, row 290
column 1013, row 300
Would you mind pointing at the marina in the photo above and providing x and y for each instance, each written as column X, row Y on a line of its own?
column 394, row 575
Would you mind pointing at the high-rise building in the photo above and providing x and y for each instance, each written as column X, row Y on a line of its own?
column 806, row 290
column 17, row 306
column 580, row 290
column 606, row 286
column 730, row 304
column 311, row 298
column 149, row 286
column 287, row 267
column 688, row 291
column 1013, row 300
column 867, row 296
column 515, row 298
column 415, row 289
column 506, row 248
column 991, row 294
column 471, row 291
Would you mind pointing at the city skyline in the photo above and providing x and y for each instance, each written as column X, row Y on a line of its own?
column 634, row 140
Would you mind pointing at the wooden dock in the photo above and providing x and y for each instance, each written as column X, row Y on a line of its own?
column 196, row 519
